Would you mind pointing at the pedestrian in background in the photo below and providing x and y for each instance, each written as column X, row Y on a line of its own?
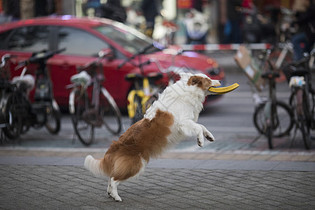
column 304, row 39
column 149, row 10
column 230, row 20
column 114, row 10
column 11, row 9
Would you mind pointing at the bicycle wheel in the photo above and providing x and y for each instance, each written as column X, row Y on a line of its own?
column 13, row 117
column 110, row 112
column 138, row 109
column 53, row 118
column 79, row 104
column 299, row 104
column 283, row 119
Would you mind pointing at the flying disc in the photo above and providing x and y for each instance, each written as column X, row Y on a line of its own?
column 222, row 90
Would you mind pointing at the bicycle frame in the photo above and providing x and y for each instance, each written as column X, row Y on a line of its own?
column 287, row 47
column 144, row 94
column 270, row 109
column 90, row 107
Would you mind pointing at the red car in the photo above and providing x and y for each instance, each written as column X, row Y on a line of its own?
column 83, row 38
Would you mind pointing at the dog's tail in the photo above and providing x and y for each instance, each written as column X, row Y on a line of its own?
column 94, row 165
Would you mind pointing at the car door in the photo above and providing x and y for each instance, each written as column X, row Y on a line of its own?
column 82, row 47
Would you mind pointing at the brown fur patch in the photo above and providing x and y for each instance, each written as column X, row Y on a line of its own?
column 201, row 82
column 144, row 139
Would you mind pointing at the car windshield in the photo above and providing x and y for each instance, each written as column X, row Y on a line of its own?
column 130, row 39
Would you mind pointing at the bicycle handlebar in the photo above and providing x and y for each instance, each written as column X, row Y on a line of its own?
column 148, row 62
column 5, row 58
column 140, row 52
column 302, row 61
column 39, row 57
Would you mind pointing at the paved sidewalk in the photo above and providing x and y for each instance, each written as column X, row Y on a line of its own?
column 56, row 179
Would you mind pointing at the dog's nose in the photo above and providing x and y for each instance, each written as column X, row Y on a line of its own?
column 215, row 83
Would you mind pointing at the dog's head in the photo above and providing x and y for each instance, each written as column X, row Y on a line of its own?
column 200, row 81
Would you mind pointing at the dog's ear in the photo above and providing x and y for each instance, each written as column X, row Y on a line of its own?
column 185, row 76
column 194, row 80
column 201, row 82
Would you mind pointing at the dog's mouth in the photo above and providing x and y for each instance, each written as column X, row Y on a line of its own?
column 215, row 83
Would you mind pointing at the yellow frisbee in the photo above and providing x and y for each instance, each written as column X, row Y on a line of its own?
column 222, row 90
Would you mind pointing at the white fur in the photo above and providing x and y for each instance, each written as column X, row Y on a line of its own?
column 93, row 165
column 185, row 102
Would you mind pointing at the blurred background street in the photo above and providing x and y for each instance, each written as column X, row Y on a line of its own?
column 229, row 119
column 40, row 170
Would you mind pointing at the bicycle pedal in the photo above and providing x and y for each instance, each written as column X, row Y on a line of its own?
column 98, row 122
column 92, row 118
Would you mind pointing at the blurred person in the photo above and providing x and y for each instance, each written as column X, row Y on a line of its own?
column 150, row 11
column 92, row 8
column 304, row 39
column 230, row 20
column 197, row 5
column 114, row 10
column 27, row 8
column 11, row 9
column 196, row 27
column 44, row 7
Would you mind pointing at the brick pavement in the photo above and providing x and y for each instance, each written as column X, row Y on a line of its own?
column 72, row 187
column 168, row 183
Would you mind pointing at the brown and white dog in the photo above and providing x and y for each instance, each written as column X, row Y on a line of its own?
column 169, row 120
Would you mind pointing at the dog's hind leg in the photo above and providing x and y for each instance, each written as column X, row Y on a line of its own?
column 109, row 187
column 113, row 189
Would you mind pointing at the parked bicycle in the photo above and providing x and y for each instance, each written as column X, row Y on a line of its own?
column 271, row 117
column 43, row 110
column 145, row 91
column 302, row 99
column 90, row 104
column 143, row 86
column 10, row 119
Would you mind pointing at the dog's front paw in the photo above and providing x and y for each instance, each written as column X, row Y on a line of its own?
column 209, row 136
column 200, row 142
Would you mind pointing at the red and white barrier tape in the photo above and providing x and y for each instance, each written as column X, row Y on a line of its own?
column 209, row 47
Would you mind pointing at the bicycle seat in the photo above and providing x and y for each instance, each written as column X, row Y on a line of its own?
column 133, row 76
column 299, row 72
column 154, row 75
column 270, row 75
column 27, row 79
column 81, row 78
